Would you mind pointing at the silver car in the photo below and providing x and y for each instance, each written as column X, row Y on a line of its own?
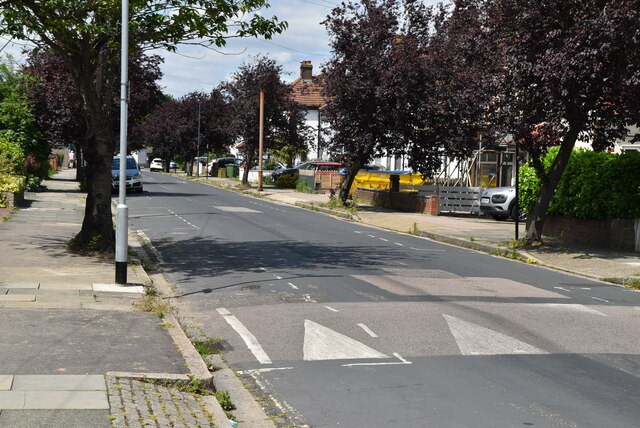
column 500, row 203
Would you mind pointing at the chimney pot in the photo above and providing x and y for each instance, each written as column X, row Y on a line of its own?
column 306, row 70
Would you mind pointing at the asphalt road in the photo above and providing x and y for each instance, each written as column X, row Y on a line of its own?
column 346, row 325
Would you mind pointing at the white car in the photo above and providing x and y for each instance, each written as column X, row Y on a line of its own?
column 156, row 165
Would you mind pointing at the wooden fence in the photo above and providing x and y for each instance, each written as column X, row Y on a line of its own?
column 452, row 198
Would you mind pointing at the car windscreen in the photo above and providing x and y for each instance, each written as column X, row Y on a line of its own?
column 131, row 164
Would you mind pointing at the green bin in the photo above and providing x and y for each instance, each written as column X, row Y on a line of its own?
column 232, row 171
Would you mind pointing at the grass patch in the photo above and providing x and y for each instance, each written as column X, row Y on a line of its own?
column 625, row 282
column 208, row 346
column 414, row 229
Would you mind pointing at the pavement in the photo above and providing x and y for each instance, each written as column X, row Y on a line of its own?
column 77, row 350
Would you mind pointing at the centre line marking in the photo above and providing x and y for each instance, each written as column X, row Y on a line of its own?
column 356, row 231
column 561, row 288
column 278, row 277
column 248, row 337
column 398, row 244
column 293, row 286
column 599, row 299
column 367, row 330
column 385, row 240
column 371, row 236
column 332, row 309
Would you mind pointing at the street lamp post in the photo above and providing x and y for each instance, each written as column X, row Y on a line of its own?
column 122, row 212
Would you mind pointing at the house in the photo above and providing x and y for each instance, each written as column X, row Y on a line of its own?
column 307, row 90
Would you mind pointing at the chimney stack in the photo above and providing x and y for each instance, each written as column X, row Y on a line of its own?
column 306, row 70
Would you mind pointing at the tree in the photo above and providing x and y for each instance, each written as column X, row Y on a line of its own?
column 380, row 90
column 173, row 128
column 86, row 35
column 283, row 117
column 569, row 70
column 56, row 104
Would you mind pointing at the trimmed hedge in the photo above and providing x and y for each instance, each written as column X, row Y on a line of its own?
column 595, row 185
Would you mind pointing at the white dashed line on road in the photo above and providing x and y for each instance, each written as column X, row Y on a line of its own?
column 278, row 277
column 599, row 299
column 248, row 337
column 367, row 330
column 371, row 236
column 385, row 240
column 561, row 288
column 176, row 215
column 399, row 244
column 307, row 298
column 332, row 309
column 356, row 231
column 293, row 286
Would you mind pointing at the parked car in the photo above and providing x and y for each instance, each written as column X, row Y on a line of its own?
column 222, row 163
column 500, row 203
column 343, row 171
column 156, row 165
column 312, row 166
column 134, row 177
column 173, row 165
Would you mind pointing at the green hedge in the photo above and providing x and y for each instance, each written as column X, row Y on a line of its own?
column 595, row 185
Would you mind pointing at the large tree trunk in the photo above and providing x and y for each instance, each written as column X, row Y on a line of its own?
column 345, row 186
column 95, row 89
column 549, row 183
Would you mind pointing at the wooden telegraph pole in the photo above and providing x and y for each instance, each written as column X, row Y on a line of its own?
column 260, row 141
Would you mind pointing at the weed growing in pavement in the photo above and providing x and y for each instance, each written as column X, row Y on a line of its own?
column 414, row 229
column 303, row 187
column 153, row 304
column 471, row 238
column 225, row 400
column 208, row 346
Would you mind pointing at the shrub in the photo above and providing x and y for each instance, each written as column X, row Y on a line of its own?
column 9, row 183
column 595, row 185
column 11, row 157
column 287, row 181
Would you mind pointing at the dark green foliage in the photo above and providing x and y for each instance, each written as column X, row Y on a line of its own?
column 595, row 185
column 287, row 181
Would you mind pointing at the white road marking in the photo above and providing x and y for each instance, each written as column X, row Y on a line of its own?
column 371, row 236
column 633, row 263
column 561, row 288
column 263, row 269
column 272, row 369
column 248, row 337
column 585, row 288
column 322, row 343
column 356, row 231
column 308, row 298
column 473, row 339
column 332, row 309
column 293, row 286
column 427, row 249
column 599, row 299
column 278, row 277
column 391, row 363
column 367, row 330
column 235, row 209
column 570, row 306
column 176, row 215
column 385, row 240
column 399, row 244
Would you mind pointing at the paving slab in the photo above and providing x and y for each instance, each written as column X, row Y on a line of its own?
column 115, row 288
column 59, row 383
column 55, row 418
column 68, row 400
column 5, row 382
column 17, row 298
column 22, row 285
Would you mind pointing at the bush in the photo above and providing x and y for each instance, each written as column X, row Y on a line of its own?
column 287, row 181
column 11, row 157
column 9, row 183
column 595, row 185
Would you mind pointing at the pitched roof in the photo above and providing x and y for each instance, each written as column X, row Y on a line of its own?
column 309, row 92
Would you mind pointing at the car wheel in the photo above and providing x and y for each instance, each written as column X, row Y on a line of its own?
column 499, row 217
column 518, row 214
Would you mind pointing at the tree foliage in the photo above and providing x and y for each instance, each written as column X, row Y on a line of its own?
column 283, row 117
column 568, row 70
column 172, row 129
column 86, row 35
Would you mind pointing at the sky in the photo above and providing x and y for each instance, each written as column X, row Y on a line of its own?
column 199, row 69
